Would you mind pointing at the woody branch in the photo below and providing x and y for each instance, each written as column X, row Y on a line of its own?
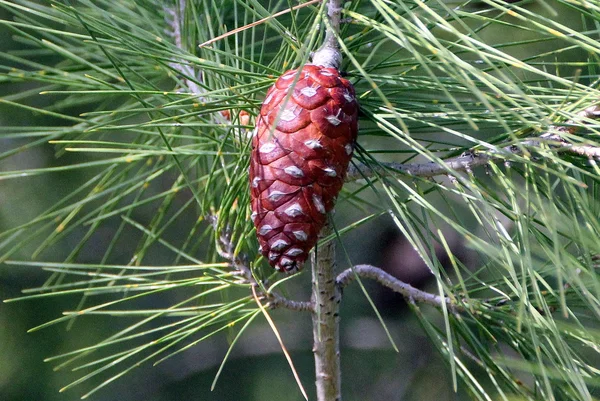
column 174, row 20
column 329, row 54
column 387, row 280
column 345, row 278
column 553, row 137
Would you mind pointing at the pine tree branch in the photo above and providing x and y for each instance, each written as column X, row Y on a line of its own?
column 325, row 293
column 326, row 299
column 174, row 21
column 387, row 280
column 469, row 160
column 329, row 54
column 277, row 301
column 224, row 246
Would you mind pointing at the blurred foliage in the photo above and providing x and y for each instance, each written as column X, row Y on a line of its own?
column 114, row 151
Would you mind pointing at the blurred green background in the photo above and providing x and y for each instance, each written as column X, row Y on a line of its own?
column 257, row 369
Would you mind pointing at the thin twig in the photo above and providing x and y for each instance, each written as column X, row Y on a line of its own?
column 391, row 282
column 278, row 301
column 469, row 160
column 224, row 246
column 174, row 20
column 226, row 250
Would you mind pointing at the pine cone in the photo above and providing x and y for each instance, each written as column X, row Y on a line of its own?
column 301, row 148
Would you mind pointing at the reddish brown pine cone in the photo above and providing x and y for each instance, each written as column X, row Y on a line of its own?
column 300, row 153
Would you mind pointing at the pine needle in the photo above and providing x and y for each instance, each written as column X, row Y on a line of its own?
column 281, row 344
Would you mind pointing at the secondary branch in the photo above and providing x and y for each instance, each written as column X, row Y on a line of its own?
column 553, row 137
column 387, row 280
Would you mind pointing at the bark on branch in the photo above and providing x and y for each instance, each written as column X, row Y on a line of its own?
column 325, row 293
column 326, row 299
column 387, row 280
column 174, row 19
column 468, row 161
column 329, row 54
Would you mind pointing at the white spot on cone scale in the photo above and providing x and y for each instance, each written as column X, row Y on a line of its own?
column 267, row 147
column 264, row 230
column 300, row 235
column 308, row 91
column 294, row 171
column 294, row 210
column 314, row 144
column 287, row 115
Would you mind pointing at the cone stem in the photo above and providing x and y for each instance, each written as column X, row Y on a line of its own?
column 329, row 54
column 326, row 299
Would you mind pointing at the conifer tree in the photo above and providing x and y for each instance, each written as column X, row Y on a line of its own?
column 477, row 120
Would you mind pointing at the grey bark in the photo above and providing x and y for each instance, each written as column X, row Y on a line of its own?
column 325, row 317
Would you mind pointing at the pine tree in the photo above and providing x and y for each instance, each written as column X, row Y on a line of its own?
column 477, row 120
